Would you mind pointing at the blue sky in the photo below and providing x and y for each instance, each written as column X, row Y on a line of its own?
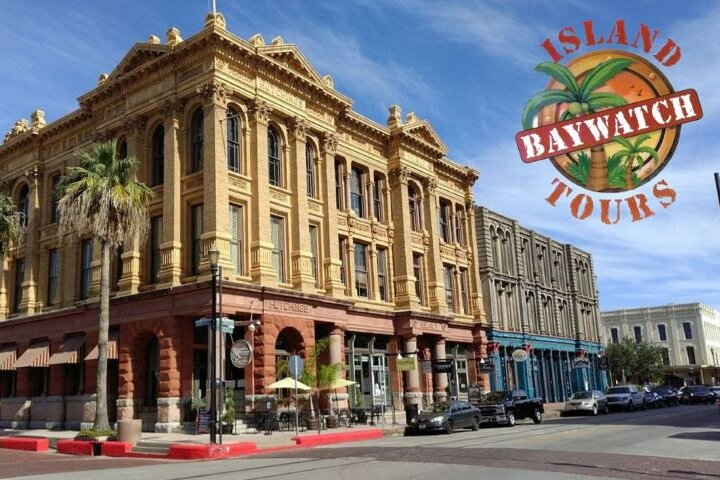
column 467, row 66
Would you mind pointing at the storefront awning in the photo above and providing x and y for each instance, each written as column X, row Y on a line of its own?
column 8, row 357
column 35, row 356
column 112, row 350
column 69, row 351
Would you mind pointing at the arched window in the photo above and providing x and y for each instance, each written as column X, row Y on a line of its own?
column 233, row 140
column 414, row 203
column 23, row 204
column 274, row 158
column 444, row 221
column 122, row 149
column 357, row 191
column 158, row 156
column 310, row 171
column 460, row 225
column 196, row 141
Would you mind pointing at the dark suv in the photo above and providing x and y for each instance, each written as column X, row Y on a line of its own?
column 697, row 394
column 669, row 395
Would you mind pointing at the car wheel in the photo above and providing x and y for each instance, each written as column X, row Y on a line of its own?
column 510, row 417
column 607, row 409
column 644, row 406
column 475, row 424
column 563, row 414
column 537, row 416
column 449, row 427
column 595, row 410
column 631, row 407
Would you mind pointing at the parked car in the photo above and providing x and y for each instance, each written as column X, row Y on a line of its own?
column 653, row 400
column 697, row 394
column 589, row 401
column 445, row 417
column 670, row 396
column 507, row 406
column 626, row 397
column 715, row 391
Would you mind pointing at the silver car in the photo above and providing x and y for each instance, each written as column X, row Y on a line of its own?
column 626, row 397
column 589, row 401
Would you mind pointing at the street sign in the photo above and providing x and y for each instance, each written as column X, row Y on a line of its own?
column 241, row 353
column 485, row 367
column 406, row 364
column 519, row 355
column 227, row 325
column 295, row 366
column 443, row 366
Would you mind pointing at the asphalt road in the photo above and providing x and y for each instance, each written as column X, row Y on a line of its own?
column 669, row 443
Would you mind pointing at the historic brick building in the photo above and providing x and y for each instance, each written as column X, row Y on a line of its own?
column 540, row 296
column 328, row 224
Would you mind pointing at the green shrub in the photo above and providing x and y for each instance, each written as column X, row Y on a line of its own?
column 94, row 434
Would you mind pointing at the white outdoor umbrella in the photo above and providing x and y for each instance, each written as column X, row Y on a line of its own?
column 340, row 383
column 288, row 382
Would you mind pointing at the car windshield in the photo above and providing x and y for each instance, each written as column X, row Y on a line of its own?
column 494, row 397
column 698, row 388
column 618, row 390
column 437, row 408
column 581, row 395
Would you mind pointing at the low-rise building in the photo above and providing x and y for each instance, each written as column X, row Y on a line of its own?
column 688, row 333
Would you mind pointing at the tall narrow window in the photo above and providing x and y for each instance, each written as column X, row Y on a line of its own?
column 122, row 149
column 665, row 356
column 339, row 186
column 196, row 141
column 460, row 226
column 86, row 253
column 419, row 277
column 55, row 196
column 196, row 229
column 233, row 140
column 444, row 220
column 357, row 196
column 23, row 205
column 382, row 274
column 157, row 165
column 19, row 276
column 314, row 252
column 687, row 330
column 464, row 291
column 690, row 355
column 155, row 255
column 377, row 198
column 449, row 279
column 274, row 158
column 237, row 236
column 614, row 338
column 637, row 331
column 361, row 270
column 414, row 204
column 53, row 275
column 343, row 260
column 662, row 333
column 277, row 236
column 310, row 171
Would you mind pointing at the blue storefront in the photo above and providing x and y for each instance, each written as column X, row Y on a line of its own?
column 554, row 367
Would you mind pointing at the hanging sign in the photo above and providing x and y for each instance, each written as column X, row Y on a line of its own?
column 405, row 364
column 443, row 366
column 519, row 355
column 241, row 353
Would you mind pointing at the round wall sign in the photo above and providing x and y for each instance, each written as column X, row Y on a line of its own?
column 519, row 355
column 241, row 353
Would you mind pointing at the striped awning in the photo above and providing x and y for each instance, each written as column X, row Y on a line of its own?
column 112, row 350
column 8, row 357
column 69, row 351
column 36, row 355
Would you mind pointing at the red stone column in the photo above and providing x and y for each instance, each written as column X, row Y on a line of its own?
column 480, row 349
column 413, row 394
column 169, row 415
column 126, row 379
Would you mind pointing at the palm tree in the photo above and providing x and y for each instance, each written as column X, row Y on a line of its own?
column 10, row 224
column 631, row 154
column 101, row 196
column 581, row 99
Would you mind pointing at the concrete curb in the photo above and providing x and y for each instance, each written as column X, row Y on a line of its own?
column 30, row 444
column 340, row 437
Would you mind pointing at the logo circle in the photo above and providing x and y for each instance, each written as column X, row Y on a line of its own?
column 241, row 353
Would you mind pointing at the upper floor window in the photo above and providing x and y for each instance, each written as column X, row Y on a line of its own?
column 414, row 203
column 274, row 158
column 662, row 333
column 687, row 330
column 237, row 236
column 357, row 192
column 444, row 220
column 155, row 253
column 449, row 280
column 86, row 253
column 460, row 226
column 55, row 202
column 24, row 205
column 361, row 270
column 418, row 267
column 637, row 331
column 233, row 140
column 310, row 171
column 339, row 185
column 382, row 274
column 465, row 291
column 122, row 150
column 377, row 198
column 665, row 356
column 53, row 275
column 313, row 231
column 196, row 141
column 690, row 354
column 614, row 338
column 157, row 164
column 19, row 277
column 277, row 237
column 196, row 229
column 343, row 244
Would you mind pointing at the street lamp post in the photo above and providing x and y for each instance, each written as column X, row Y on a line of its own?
column 214, row 257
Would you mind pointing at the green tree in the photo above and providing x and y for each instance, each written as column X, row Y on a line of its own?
column 10, row 224
column 630, row 154
column 634, row 362
column 101, row 196
column 582, row 99
column 319, row 376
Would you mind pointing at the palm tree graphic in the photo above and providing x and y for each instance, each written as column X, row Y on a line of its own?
column 631, row 152
column 581, row 99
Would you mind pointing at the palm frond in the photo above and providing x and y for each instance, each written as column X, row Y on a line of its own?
column 599, row 100
column 562, row 74
column 624, row 142
column 616, row 172
column 580, row 170
column 10, row 224
column 650, row 151
column 602, row 72
column 540, row 100
column 640, row 139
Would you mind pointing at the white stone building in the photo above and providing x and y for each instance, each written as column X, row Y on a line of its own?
column 689, row 333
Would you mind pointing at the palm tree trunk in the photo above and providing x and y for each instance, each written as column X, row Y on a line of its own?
column 598, row 177
column 101, row 407
column 629, row 184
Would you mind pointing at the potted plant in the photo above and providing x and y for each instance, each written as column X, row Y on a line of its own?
column 228, row 418
column 318, row 377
